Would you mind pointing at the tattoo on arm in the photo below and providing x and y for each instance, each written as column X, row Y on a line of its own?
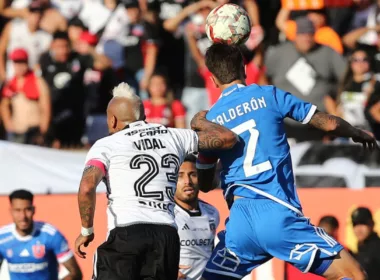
column 333, row 124
column 212, row 135
column 91, row 177
column 74, row 271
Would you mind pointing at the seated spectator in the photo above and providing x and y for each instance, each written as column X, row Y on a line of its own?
column 25, row 104
column 368, row 242
column 307, row 70
column 356, row 87
column 51, row 21
column 160, row 107
column 330, row 225
column 324, row 34
column 20, row 33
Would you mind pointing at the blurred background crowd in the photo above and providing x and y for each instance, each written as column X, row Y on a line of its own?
column 59, row 60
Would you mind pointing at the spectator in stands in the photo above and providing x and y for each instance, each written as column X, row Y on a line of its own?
column 51, row 21
column 161, row 106
column 25, row 34
column 25, row 104
column 63, row 70
column 339, row 13
column 34, row 249
column 306, row 69
column 140, row 48
column 356, row 87
column 368, row 242
column 74, row 30
column 372, row 112
column 194, row 93
column 330, row 225
column 99, row 80
column 324, row 34
column 365, row 32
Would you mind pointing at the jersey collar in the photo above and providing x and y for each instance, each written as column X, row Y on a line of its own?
column 23, row 238
column 134, row 124
column 231, row 89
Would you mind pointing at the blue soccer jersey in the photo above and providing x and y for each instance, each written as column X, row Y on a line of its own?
column 261, row 159
column 267, row 220
column 35, row 256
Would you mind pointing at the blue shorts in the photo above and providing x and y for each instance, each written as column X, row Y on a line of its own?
column 259, row 229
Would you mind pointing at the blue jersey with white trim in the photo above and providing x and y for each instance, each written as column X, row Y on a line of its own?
column 261, row 159
column 35, row 256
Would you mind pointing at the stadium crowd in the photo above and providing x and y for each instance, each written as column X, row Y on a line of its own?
column 59, row 61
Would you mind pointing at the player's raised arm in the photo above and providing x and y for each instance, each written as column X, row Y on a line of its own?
column 339, row 127
column 211, row 135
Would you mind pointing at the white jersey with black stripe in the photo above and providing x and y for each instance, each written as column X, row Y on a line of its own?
column 197, row 233
column 141, row 165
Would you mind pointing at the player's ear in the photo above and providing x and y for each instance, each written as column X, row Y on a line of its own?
column 114, row 122
column 214, row 80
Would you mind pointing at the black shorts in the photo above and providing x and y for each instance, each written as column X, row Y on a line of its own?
column 138, row 252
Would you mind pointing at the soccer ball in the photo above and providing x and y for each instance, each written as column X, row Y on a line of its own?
column 228, row 24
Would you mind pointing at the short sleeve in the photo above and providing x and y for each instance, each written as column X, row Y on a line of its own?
column 186, row 139
column 60, row 247
column 7, row 91
column 293, row 107
column 151, row 34
column 99, row 156
column 178, row 109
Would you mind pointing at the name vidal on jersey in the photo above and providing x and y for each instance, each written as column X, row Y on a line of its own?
column 149, row 144
column 244, row 108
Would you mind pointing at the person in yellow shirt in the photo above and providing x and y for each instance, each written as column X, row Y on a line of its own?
column 324, row 34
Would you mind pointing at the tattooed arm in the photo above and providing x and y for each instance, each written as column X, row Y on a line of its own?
column 91, row 177
column 341, row 128
column 211, row 135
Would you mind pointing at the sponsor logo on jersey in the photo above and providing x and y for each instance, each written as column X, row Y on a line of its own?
column 185, row 227
column 24, row 253
column 169, row 207
column 38, row 250
column 26, row 267
column 197, row 242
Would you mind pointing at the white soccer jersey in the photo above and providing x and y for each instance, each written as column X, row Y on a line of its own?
column 197, row 234
column 141, row 165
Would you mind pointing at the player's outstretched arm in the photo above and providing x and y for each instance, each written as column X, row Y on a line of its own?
column 339, row 127
column 92, row 175
column 211, row 135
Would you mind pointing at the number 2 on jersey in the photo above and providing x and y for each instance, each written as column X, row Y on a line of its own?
column 167, row 161
column 251, row 169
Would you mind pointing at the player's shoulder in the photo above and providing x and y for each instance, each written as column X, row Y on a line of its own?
column 46, row 228
column 6, row 230
column 263, row 88
column 208, row 208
